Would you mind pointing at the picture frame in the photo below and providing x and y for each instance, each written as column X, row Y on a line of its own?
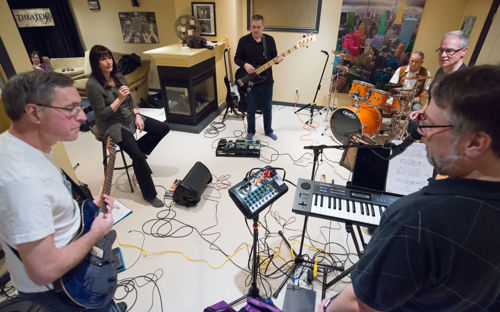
column 287, row 15
column 204, row 12
column 94, row 5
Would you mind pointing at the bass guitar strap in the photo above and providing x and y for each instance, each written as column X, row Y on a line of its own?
column 265, row 46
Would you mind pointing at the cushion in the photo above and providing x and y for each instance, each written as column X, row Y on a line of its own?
column 87, row 70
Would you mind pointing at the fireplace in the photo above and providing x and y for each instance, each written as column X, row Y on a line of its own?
column 189, row 93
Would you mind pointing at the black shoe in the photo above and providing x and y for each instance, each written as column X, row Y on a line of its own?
column 122, row 306
column 155, row 202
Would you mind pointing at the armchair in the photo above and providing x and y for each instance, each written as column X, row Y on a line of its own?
column 137, row 81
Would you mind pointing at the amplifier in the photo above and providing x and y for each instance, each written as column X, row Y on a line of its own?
column 238, row 148
column 188, row 193
column 258, row 191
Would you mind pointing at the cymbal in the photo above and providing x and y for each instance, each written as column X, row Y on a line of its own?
column 342, row 55
column 417, row 78
column 346, row 69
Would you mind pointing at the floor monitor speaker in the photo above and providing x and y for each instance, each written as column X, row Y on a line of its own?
column 188, row 193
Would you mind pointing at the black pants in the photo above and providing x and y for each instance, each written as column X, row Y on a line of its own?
column 137, row 150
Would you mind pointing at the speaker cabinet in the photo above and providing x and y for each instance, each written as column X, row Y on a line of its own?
column 188, row 193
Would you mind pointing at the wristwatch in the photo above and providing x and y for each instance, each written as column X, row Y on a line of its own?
column 329, row 301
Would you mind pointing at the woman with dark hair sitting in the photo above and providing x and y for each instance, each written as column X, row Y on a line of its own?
column 117, row 116
column 37, row 61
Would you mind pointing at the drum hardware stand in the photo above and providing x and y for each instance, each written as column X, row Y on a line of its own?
column 329, row 109
column 313, row 105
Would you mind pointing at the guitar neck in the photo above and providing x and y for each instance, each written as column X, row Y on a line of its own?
column 231, row 80
column 108, row 179
column 273, row 61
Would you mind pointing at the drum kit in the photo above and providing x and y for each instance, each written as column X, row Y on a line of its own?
column 364, row 116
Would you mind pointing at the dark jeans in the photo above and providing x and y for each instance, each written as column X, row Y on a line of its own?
column 262, row 93
column 137, row 150
column 51, row 302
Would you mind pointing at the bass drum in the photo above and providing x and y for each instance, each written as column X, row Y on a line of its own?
column 347, row 121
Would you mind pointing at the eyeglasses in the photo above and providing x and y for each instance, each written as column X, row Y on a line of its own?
column 74, row 111
column 448, row 52
column 422, row 125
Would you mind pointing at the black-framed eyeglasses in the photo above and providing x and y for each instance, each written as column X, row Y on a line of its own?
column 74, row 111
column 448, row 52
column 422, row 125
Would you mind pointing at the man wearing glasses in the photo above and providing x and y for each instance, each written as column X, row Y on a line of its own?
column 38, row 216
column 435, row 250
column 451, row 58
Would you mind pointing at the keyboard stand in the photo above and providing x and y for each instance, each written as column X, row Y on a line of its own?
column 326, row 284
column 298, row 258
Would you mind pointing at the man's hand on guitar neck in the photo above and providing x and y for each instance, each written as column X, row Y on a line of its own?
column 279, row 58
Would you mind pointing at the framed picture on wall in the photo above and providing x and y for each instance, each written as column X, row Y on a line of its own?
column 139, row 27
column 204, row 12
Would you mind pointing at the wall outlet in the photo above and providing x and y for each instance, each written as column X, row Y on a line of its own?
column 296, row 90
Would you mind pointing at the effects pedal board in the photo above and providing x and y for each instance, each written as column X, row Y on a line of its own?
column 258, row 191
column 238, row 148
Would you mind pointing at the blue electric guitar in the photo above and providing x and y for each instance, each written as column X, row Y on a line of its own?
column 93, row 282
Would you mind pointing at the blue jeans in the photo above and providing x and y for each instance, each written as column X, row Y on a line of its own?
column 262, row 93
column 51, row 302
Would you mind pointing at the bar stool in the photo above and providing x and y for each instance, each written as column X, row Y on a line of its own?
column 105, row 155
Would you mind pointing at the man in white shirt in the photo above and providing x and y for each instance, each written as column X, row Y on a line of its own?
column 38, row 216
column 412, row 70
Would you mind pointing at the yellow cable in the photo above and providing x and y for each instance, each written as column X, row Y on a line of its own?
column 145, row 253
column 315, row 271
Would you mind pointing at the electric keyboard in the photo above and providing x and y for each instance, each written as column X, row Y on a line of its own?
column 339, row 203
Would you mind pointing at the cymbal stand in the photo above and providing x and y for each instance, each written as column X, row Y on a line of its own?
column 329, row 109
column 313, row 105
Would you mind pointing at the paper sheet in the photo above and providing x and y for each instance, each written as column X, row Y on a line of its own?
column 122, row 212
column 409, row 171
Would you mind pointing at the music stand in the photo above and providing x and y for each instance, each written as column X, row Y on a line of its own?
column 313, row 105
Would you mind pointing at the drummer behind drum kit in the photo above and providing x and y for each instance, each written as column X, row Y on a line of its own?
column 364, row 117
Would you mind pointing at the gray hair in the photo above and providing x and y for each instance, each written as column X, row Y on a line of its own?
column 419, row 54
column 464, row 41
column 36, row 87
column 468, row 97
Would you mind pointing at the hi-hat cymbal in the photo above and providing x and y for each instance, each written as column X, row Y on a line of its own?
column 342, row 55
column 417, row 78
column 346, row 69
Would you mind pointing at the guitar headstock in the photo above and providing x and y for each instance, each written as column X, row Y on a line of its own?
column 111, row 146
column 226, row 41
column 305, row 40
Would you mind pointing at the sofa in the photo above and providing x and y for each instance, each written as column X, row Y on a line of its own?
column 137, row 81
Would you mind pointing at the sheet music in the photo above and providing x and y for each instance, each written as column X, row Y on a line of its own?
column 409, row 171
column 120, row 211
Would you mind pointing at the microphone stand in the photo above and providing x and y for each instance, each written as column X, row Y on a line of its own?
column 313, row 105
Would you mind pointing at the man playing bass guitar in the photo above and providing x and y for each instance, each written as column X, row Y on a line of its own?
column 254, row 49
column 38, row 216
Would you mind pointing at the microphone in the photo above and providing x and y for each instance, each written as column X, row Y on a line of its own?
column 398, row 149
column 323, row 51
column 118, row 78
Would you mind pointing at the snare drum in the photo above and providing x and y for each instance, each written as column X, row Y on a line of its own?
column 347, row 121
column 378, row 98
column 360, row 89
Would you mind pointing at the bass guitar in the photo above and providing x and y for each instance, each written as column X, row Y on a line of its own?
column 246, row 81
column 93, row 282
column 232, row 97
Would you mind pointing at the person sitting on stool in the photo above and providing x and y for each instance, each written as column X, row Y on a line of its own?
column 413, row 69
column 117, row 116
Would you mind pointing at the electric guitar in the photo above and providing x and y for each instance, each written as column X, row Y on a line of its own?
column 93, row 282
column 246, row 81
column 232, row 97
